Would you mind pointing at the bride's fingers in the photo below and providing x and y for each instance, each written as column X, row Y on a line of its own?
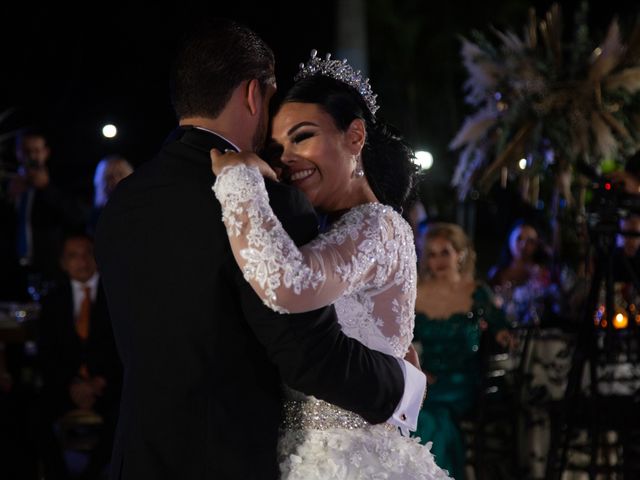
column 268, row 172
column 215, row 160
column 265, row 169
column 218, row 161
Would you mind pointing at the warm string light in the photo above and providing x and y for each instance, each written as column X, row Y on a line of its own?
column 620, row 319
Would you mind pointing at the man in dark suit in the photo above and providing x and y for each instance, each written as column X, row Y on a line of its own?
column 80, row 365
column 36, row 216
column 204, row 359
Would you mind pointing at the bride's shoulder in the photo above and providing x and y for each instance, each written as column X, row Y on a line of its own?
column 373, row 211
column 378, row 217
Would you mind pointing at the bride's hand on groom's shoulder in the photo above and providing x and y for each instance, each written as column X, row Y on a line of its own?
column 221, row 160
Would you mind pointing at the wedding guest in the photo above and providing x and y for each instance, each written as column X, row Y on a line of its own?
column 453, row 310
column 628, row 240
column 626, row 261
column 522, row 279
column 80, row 366
column 108, row 173
column 40, row 215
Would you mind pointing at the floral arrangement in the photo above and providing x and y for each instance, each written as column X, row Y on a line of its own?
column 543, row 105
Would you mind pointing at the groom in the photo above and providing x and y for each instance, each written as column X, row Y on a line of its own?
column 204, row 359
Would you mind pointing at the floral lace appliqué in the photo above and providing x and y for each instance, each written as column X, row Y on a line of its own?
column 365, row 263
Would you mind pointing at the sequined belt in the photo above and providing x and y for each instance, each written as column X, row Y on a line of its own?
column 314, row 414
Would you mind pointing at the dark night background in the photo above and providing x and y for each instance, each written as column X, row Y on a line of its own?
column 73, row 69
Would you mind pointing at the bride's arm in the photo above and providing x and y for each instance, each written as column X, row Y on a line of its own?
column 288, row 278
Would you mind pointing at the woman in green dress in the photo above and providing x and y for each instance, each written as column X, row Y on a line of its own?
column 452, row 311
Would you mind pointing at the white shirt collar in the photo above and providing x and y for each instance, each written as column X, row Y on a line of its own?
column 77, row 290
column 92, row 283
column 221, row 136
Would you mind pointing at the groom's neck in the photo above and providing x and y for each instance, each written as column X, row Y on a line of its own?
column 222, row 126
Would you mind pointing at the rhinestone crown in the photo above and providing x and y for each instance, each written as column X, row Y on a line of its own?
column 342, row 71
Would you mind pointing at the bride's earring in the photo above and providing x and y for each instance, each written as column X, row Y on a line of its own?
column 358, row 172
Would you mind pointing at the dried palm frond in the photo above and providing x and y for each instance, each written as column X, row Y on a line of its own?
column 531, row 30
column 529, row 101
column 628, row 79
column 483, row 73
column 475, row 127
column 551, row 33
column 632, row 53
column 608, row 55
column 615, row 125
column 605, row 142
column 512, row 152
column 579, row 141
column 510, row 41
column 471, row 162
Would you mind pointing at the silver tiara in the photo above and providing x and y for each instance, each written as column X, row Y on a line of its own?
column 342, row 71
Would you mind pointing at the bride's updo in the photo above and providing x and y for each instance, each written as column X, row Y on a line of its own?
column 386, row 158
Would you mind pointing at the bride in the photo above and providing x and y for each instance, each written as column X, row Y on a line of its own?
column 358, row 173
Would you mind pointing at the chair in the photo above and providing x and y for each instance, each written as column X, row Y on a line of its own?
column 78, row 433
column 597, row 427
column 493, row 430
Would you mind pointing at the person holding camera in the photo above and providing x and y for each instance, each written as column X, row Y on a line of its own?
column 40, row 214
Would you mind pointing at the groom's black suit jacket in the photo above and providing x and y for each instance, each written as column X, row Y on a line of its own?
column 203, row 357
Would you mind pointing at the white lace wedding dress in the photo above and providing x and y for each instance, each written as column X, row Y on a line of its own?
column 366, row 266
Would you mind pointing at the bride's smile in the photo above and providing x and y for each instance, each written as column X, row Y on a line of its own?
column 319, row 158
column 299, row 176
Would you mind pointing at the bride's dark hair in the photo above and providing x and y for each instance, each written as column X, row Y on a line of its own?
column 386, row 158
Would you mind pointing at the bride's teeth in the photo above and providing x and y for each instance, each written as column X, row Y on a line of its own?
column 301, row 174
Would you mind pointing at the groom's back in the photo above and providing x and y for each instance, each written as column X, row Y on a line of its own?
column 197, row 383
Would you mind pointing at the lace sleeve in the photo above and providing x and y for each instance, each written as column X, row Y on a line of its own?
column 288, row 278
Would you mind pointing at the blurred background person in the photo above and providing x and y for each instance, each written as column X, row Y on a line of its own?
column 523, row 258
column 108, row 173
column 39, row 215
column 522, row 279
column 627, row 247
column 80, row 366
column 453, row 310
column 626, row 261
column 626, row 265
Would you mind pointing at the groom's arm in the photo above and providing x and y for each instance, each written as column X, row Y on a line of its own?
column 313, row 354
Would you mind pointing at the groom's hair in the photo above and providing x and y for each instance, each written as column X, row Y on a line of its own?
column 214, row 60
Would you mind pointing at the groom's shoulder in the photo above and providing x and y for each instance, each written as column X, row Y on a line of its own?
column 294, row 211
column 285, row 198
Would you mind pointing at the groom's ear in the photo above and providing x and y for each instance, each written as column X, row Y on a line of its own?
column 254, row 96
column 356, row 136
